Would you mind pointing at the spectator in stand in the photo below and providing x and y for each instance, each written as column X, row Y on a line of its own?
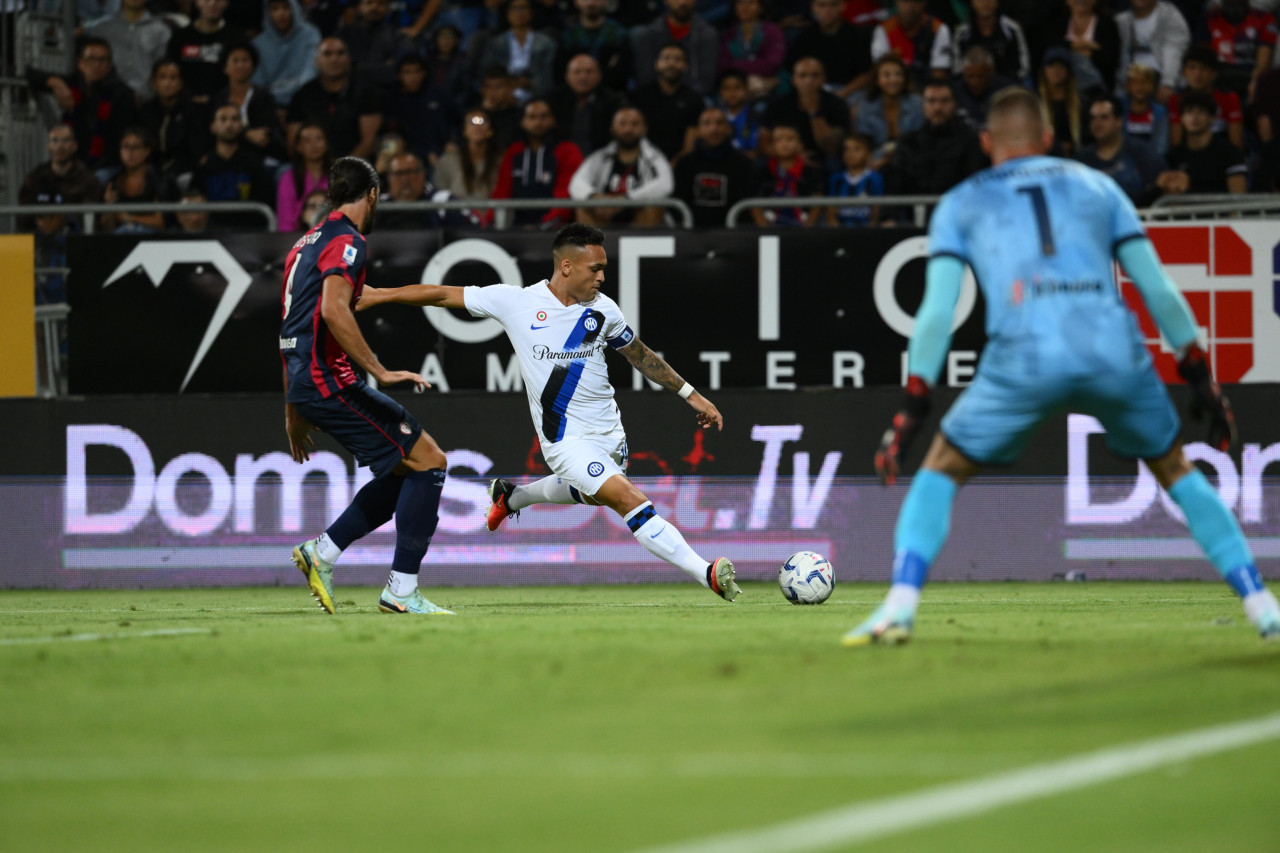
column 407, row 181
column 1060, row 99
column 424, row 117
column 199, row 49
column 743, row 123
column 978, row 82
column 584, row 106
column 1000, row 35
column 315, row 209
column 1244, row 40
column 670, row 107
column 1266, row 105
column 1154, row 33
column 821, row 117
column 540, row 166
column 94, row 101
column 714, row 12
column 258, row 110
column 753, row 46
column 325, row 15
column 498, row 100
column 191, row 221
column 602, row 38
column 308, row 173
column 1145, row 119
column 1200, row 70
column 856, row 180
column 178, row 126
column 1091, row 41
column 679, row 26
column 414, row 16
column 137, row 39
column 349, row 110
column 1131, row 163
column 1203, row 162
column 923, row 41
column 447, row 68
column 286, row 50
column 944, row 152
column 469, row 170
column 714, row 176
column 528, row 55
column 137, row 181
column 629, row 167
column 843, row 49
column 890, row 110
column 233, row 170
column 61, row 180
column 375, row 42
column 786, row 174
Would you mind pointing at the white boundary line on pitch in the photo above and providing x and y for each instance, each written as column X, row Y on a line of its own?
column 880, row 818
column 86, row 638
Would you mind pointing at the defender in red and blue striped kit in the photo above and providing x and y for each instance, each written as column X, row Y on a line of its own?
column 324, row 277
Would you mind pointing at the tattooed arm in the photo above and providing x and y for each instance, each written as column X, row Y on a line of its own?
column 657, row 370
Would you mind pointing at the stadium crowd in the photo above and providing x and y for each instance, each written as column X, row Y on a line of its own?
column 709, row 101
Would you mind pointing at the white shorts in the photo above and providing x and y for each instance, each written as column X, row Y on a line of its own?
column 587, row 462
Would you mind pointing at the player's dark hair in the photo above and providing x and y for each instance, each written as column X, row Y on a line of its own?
column 578, row 235
column 1198, row 101
column 1202, row 54
column 350, row 179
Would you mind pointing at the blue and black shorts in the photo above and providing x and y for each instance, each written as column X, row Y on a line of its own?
column 374, row 428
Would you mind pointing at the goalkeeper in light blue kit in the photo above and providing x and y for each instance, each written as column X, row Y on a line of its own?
column 1040, row 234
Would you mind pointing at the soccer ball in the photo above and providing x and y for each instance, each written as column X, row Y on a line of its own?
column 806, row 578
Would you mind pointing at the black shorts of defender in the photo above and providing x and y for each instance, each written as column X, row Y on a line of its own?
column 374, row 428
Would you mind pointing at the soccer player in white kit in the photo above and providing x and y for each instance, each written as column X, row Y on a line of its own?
column 559, row 329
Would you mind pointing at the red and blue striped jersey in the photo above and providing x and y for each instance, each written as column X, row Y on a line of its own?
column 315, row 361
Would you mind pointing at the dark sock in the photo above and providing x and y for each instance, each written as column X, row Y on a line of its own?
column 417, row 512
column 371, row 508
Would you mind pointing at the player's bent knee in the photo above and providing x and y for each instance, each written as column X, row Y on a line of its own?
column 1171, row 467
column 944, row 458
column 425, row 455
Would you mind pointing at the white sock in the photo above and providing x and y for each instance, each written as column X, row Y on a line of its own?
column 903, row 595
column 661, row 539
column 326, row 550
column 402, row 584
column 1258, row 604
column 548, row 490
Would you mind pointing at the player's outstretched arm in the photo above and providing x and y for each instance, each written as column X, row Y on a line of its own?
column 656, row 369
column 412, row 294
column 335, row 308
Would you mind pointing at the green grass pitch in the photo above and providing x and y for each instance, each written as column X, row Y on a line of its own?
column 616, row 718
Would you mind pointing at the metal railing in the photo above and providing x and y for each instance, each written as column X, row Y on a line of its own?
column 504, row 204
column 919, row 204
column 1213, row 206
column 91, row 210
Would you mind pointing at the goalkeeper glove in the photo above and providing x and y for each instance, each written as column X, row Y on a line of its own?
column 1207, row 398
column 898, row 437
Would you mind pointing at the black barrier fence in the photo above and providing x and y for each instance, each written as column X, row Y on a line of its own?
column 727, row 309
column 200, row 490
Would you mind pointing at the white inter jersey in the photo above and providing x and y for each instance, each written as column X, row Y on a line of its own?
column 561, row 352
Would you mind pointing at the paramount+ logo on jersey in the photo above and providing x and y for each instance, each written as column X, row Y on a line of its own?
column 1230, row 276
